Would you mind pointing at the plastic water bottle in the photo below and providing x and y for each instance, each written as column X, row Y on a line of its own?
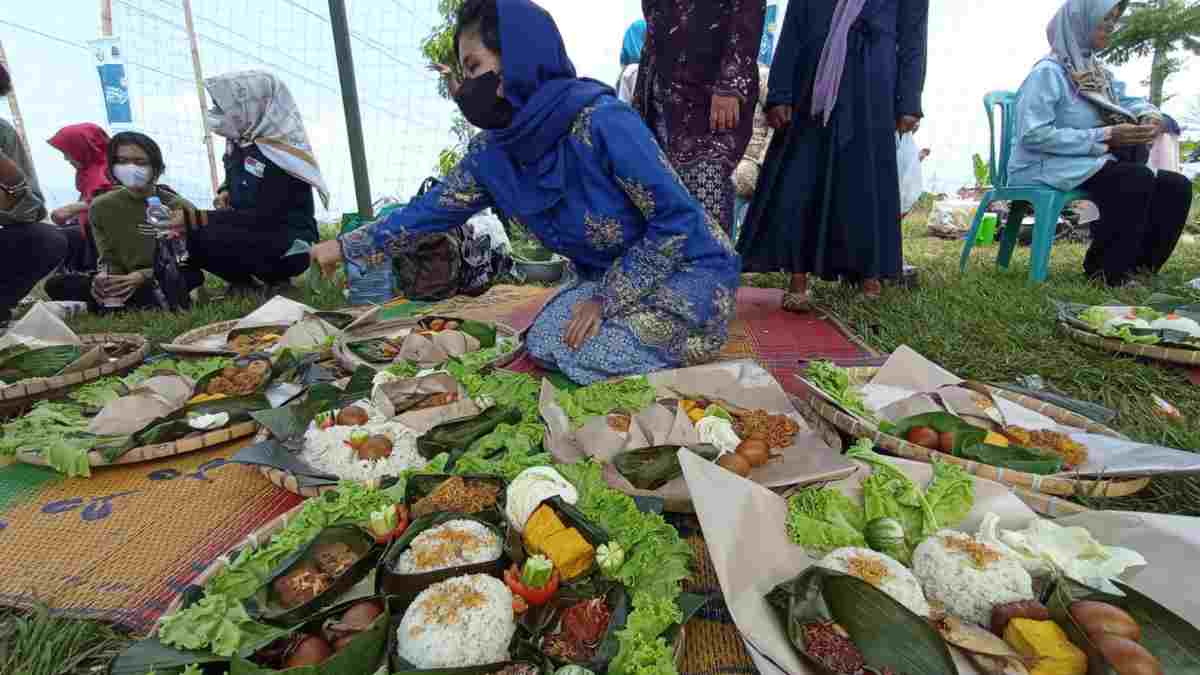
column 158, row 216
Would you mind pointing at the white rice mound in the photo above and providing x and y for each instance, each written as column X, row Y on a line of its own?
column 327, row 451
column 968, row 590
column 452, row 544
column 461, row 622
column 899, row 582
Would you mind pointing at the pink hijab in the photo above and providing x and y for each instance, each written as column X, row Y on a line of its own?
column 87, row 144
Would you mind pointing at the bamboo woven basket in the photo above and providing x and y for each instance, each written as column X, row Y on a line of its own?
column 1177, row 355
column 288, row 481
column 19, row 395
column 185, row 343
column 1053, row 485
column 149, row 453
column 351, row 362
column 263, row 535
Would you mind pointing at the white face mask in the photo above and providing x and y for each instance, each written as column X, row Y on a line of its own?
column 132, row 175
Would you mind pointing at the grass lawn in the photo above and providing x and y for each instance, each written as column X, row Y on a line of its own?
column 993, row 326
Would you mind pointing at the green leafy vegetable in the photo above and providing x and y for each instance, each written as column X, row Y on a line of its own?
column 823, row 519
column 656, row 562
column 537, row 571
column 1147, row 313
column 1126, row 334
column 951, row 494
column 610, row 557
column 218, row 623
column 193, row 369
column 99, row 393
column 629, row 395
column 1095, row 317
column 58, row 432
column 889, row 493
column 403, row 369
column 835, row 382
column 42, row 362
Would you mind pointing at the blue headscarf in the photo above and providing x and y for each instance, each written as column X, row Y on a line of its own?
column 635, row 39
column 522, row 165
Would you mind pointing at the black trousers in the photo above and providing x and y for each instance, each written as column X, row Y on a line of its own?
column 78, row 288
column 239, row 256
column 1141, row 218
column 27, row 254
column 81, row 249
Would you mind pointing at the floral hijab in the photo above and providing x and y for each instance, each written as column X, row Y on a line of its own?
column 254, row 107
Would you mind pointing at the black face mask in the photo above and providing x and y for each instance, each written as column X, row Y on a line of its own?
column 480, row 103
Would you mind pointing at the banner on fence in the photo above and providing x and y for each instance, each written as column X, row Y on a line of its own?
column 110, row 64
column 766, row 51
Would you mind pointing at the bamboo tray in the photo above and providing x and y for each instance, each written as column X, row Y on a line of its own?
column 288, row 481
column 351, row 362
column 263, row 535
column 1176, row 355
column 149, row 453
column 1053, row 485
column 185, row 343
column 18, row 395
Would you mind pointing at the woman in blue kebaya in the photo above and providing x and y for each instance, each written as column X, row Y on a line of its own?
column 580, row 170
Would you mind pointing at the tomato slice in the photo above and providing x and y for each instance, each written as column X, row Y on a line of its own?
column 534, row 596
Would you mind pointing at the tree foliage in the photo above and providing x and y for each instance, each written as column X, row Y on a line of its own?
column 1158, row 28
column 438, row 49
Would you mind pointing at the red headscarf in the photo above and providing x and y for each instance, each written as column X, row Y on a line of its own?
column 87, row 144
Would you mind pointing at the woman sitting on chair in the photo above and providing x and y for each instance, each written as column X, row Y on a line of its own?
column 1076, row 129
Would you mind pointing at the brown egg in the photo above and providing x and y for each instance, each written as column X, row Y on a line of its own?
column 756, row 453
column 352, row 416
column 310, row 651
column 1101, row 618
column 1126, row 656
column 924, row 437
column 376, row 448
column 735, row 463
column 946, row 441
column 361, row 614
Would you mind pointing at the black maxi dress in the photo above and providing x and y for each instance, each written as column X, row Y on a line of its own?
column 828, row 198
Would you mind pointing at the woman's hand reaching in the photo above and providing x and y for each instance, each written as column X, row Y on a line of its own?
column 327, row 255
column 586, row 317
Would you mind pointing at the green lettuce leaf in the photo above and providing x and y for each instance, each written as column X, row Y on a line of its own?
column 1095, row 317
column 629, row 395
column 823, row 519
column 215, row 622
column 835, row 382
column 951, row 494
column 889, row 493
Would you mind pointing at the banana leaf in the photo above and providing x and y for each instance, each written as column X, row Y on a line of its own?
column 338, row 320
column 421, row 485
column 406, row 587
column 265, row 606
column 1165, row 634
column 152, row 656
column 365, row 653
column 968, row 444
column 372, row 351
column 538, row 622
column 652, row 468
column 43, row 362
column 886, row 632
column 175, row 426
column 455, row 437
column 289, row 423
column 484, row 332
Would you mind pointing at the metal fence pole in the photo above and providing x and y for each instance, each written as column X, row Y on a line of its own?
column 198, row 72
column 345, row 60
column 18, row 121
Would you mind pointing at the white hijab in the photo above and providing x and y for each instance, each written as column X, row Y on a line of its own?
column 1070, row 36
column 254, row 107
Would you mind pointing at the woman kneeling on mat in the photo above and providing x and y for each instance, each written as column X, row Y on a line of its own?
column 581, row 171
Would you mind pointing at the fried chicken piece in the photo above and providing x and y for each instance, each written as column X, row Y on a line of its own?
column 220, row 385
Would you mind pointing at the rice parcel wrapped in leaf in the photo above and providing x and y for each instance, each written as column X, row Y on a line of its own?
column 156, row 398
column 422, row 351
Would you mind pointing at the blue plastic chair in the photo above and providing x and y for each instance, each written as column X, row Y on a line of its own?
column 1046, row 202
